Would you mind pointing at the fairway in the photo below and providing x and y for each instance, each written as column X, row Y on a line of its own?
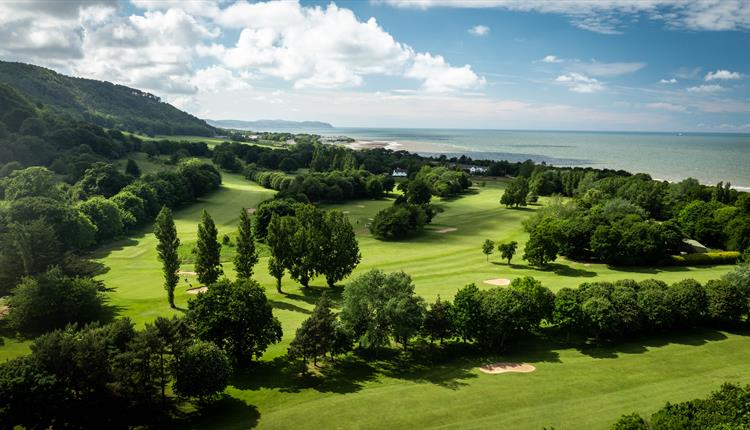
column 571, row 388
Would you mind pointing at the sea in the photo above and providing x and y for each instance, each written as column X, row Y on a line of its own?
column 707, row 157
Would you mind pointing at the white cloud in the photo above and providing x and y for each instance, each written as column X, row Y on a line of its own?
column 609, row 17
column 217, row 78
column 607, row 70
column 551, row 59
column 439, row 76
column 479, row 30
column 705, row 89
column 722, row 75
column 668, row 81
column 667, row 106
column 580, row 83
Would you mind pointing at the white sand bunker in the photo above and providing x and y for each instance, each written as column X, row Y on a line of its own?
column 197, row 290
column 250, row 210
column 496, row 368
column 500, row 282
column 361, row 206
column 182, row 272
column 4, row 310
column 446, row 230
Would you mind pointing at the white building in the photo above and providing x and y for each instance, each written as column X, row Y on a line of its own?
column 399, row 173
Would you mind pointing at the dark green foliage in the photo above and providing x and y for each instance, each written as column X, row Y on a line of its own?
column 74, row 230
column 723, row 409
column 132, row 169
column 267, row 208
column 105, row 215
column 516, row 192
column 320, row 335
column 202, row 372
column 340, row 250
column 689, row 302
column 465, row 313
column 542, row 246
column 567, row 314
column 31, row 182
column 399, row 221
column 226, row 160
column 441, row 181
column 166, row 233
column 417, row 191
column 103, row 103
column 656, row 304
column 237, row 317
column 599, row 315
column 132, row 208
column 208, row 251
column 437, row 320
column 280, row 232
column 378, row 307
column 51, row 300
column 727, row 303
column 288, row 164
column 200, row 175
column 507, row 250
column 101, row 179
column 27, row 249
column 247, row 256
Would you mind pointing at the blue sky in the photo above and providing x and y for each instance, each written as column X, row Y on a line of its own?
column 663, row 65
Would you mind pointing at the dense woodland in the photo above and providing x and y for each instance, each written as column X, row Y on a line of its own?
column 65, row 191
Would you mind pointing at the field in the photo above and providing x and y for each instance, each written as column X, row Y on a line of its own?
column 571, row 388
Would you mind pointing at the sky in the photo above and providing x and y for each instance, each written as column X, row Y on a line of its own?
column 632, row 65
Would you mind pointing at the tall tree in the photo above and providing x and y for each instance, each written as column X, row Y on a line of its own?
column 132, row 169
column 208, row 257
column 247, row 255
column 279, row 242
column 340, row 248
column 166, row 233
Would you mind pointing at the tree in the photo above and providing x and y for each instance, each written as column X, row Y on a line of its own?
column 567, row 314
column 727, row 304
column 101, row 179
column 202, row 371
column 208, row 255
column 466, row 316
column 417, row 192
column 279, row 236
column 516, row 192
column 379, row 306
column 507, row 250
column 51, row 300
column 689, row 302
column 437, row 321
column 600, row 315
column 132, row 169
column 487, row 248
column 31, row 182
column 340, row 248
column 502, row 317
column 166, row 233
column 105, row 215
column 542, row 247
column 319, row 335
column 247, row 256
column 237, row 317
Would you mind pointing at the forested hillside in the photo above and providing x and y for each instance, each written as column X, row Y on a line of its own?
column 101, row 103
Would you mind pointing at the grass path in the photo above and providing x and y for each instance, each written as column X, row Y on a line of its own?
column 571, row 388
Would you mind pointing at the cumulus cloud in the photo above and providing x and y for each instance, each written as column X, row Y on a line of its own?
column 580, row 83
column 158, row 47
column 551, row 59
column 668, row 81
column 439, row 76
column 705, row 89
column 722, row 75
column 479, row 30
column 667, row 106
column 610, row 17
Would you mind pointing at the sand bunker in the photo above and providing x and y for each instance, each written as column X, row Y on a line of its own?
column 182, row 272
column 361, row 206
column 446, row 230
column 250, row 210
column 4, row 309
column 197, row 290
column 500, row 282
column 496, row 368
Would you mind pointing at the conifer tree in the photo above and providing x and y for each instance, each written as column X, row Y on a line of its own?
column 247, row 255
column 208, row 256
column 166, row 233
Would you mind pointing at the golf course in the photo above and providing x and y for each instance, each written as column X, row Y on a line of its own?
column 572, row 387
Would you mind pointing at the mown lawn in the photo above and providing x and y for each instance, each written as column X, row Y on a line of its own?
column 572, row 387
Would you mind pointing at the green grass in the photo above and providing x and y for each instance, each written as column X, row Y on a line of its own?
column 572, row 388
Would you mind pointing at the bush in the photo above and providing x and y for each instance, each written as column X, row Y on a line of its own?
column 202, row 371
column 706, row 258
column 52, row 300
column 399, row 221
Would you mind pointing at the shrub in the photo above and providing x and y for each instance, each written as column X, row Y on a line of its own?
column 706, row 258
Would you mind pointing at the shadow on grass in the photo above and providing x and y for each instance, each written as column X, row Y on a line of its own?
column 312, row 294
column 226, row 413
column 651, row 270
column 556, row 268
column 639, row 345
column 276, row 304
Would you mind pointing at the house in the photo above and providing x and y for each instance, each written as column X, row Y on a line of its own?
column 477, row 170
column 399, row 173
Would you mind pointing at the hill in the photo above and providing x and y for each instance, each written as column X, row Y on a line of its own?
column 101, row 103
column 268, row 124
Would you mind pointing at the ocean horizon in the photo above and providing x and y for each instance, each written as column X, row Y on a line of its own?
column 670, row 156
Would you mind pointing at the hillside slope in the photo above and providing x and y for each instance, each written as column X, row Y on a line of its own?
column 102, row 103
